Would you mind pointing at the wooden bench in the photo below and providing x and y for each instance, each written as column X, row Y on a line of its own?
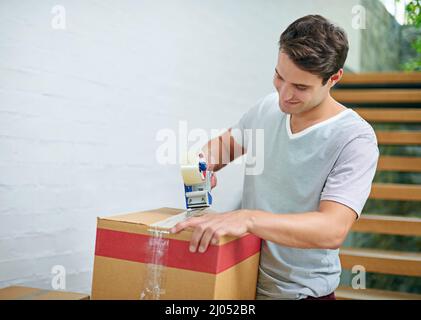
column 381, row 95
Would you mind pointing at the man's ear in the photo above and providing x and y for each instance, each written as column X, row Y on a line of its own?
column 334, row 79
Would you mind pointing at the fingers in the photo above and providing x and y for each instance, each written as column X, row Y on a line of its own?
column 211, row 236
column 220, row 232
column 191, row 222
column 200, row 232
column 206, row 231
column 204, row 236
column 213, row 181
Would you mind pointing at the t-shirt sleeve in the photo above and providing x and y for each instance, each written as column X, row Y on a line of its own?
column 349, row 182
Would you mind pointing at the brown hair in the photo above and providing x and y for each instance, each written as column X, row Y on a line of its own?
column 315, row 45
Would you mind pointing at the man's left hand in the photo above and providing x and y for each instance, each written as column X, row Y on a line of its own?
column 211, row 226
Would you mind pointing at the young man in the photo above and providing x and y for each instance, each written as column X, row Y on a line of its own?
column 319, row 162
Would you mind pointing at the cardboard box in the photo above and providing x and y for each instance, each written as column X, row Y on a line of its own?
column 122, row 266
column 27, row 293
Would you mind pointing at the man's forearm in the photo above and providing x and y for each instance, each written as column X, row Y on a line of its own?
column 309, row 230
column 213, row 152
column 222, row 150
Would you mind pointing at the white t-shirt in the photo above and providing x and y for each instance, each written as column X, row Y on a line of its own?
column 335, row 159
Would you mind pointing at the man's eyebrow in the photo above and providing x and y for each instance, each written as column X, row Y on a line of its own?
column 295, row 84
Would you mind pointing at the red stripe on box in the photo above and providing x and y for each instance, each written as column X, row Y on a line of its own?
column 135, row 247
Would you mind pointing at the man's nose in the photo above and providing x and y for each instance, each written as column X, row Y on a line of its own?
column 286, row 92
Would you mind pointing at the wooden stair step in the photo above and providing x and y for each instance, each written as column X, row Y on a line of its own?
column 382, row 261
column 362, row 96
column 390, row 115
column 392, row 225
column 400, row 164
column 348, row 293
column 398, row 137
column 382, row 78
column 395, row 191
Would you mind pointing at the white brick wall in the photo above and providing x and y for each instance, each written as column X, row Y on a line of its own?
column 80, row 109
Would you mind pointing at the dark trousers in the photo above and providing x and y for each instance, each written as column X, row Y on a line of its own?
column 328, row 297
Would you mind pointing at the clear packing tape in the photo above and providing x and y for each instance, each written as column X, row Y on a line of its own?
column 157, row 247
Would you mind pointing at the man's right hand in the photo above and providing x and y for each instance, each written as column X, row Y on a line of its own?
column 223, row 147
column 213, row 180
column 210, row 167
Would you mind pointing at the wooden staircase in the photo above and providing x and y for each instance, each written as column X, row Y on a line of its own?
column 386, row 98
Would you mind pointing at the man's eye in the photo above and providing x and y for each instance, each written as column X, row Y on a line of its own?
column 301, row 88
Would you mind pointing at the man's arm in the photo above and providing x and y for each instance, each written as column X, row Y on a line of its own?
column 222, row 150
column 326, row 228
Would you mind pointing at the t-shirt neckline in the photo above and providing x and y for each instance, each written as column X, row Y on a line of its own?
column 314, row 126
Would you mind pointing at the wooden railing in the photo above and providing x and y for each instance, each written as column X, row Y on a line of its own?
column 391, row 98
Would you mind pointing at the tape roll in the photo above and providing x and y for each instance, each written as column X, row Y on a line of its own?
column 191, row 174
column 190, row 169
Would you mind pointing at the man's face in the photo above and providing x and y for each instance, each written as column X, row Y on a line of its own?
column 299, row 91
